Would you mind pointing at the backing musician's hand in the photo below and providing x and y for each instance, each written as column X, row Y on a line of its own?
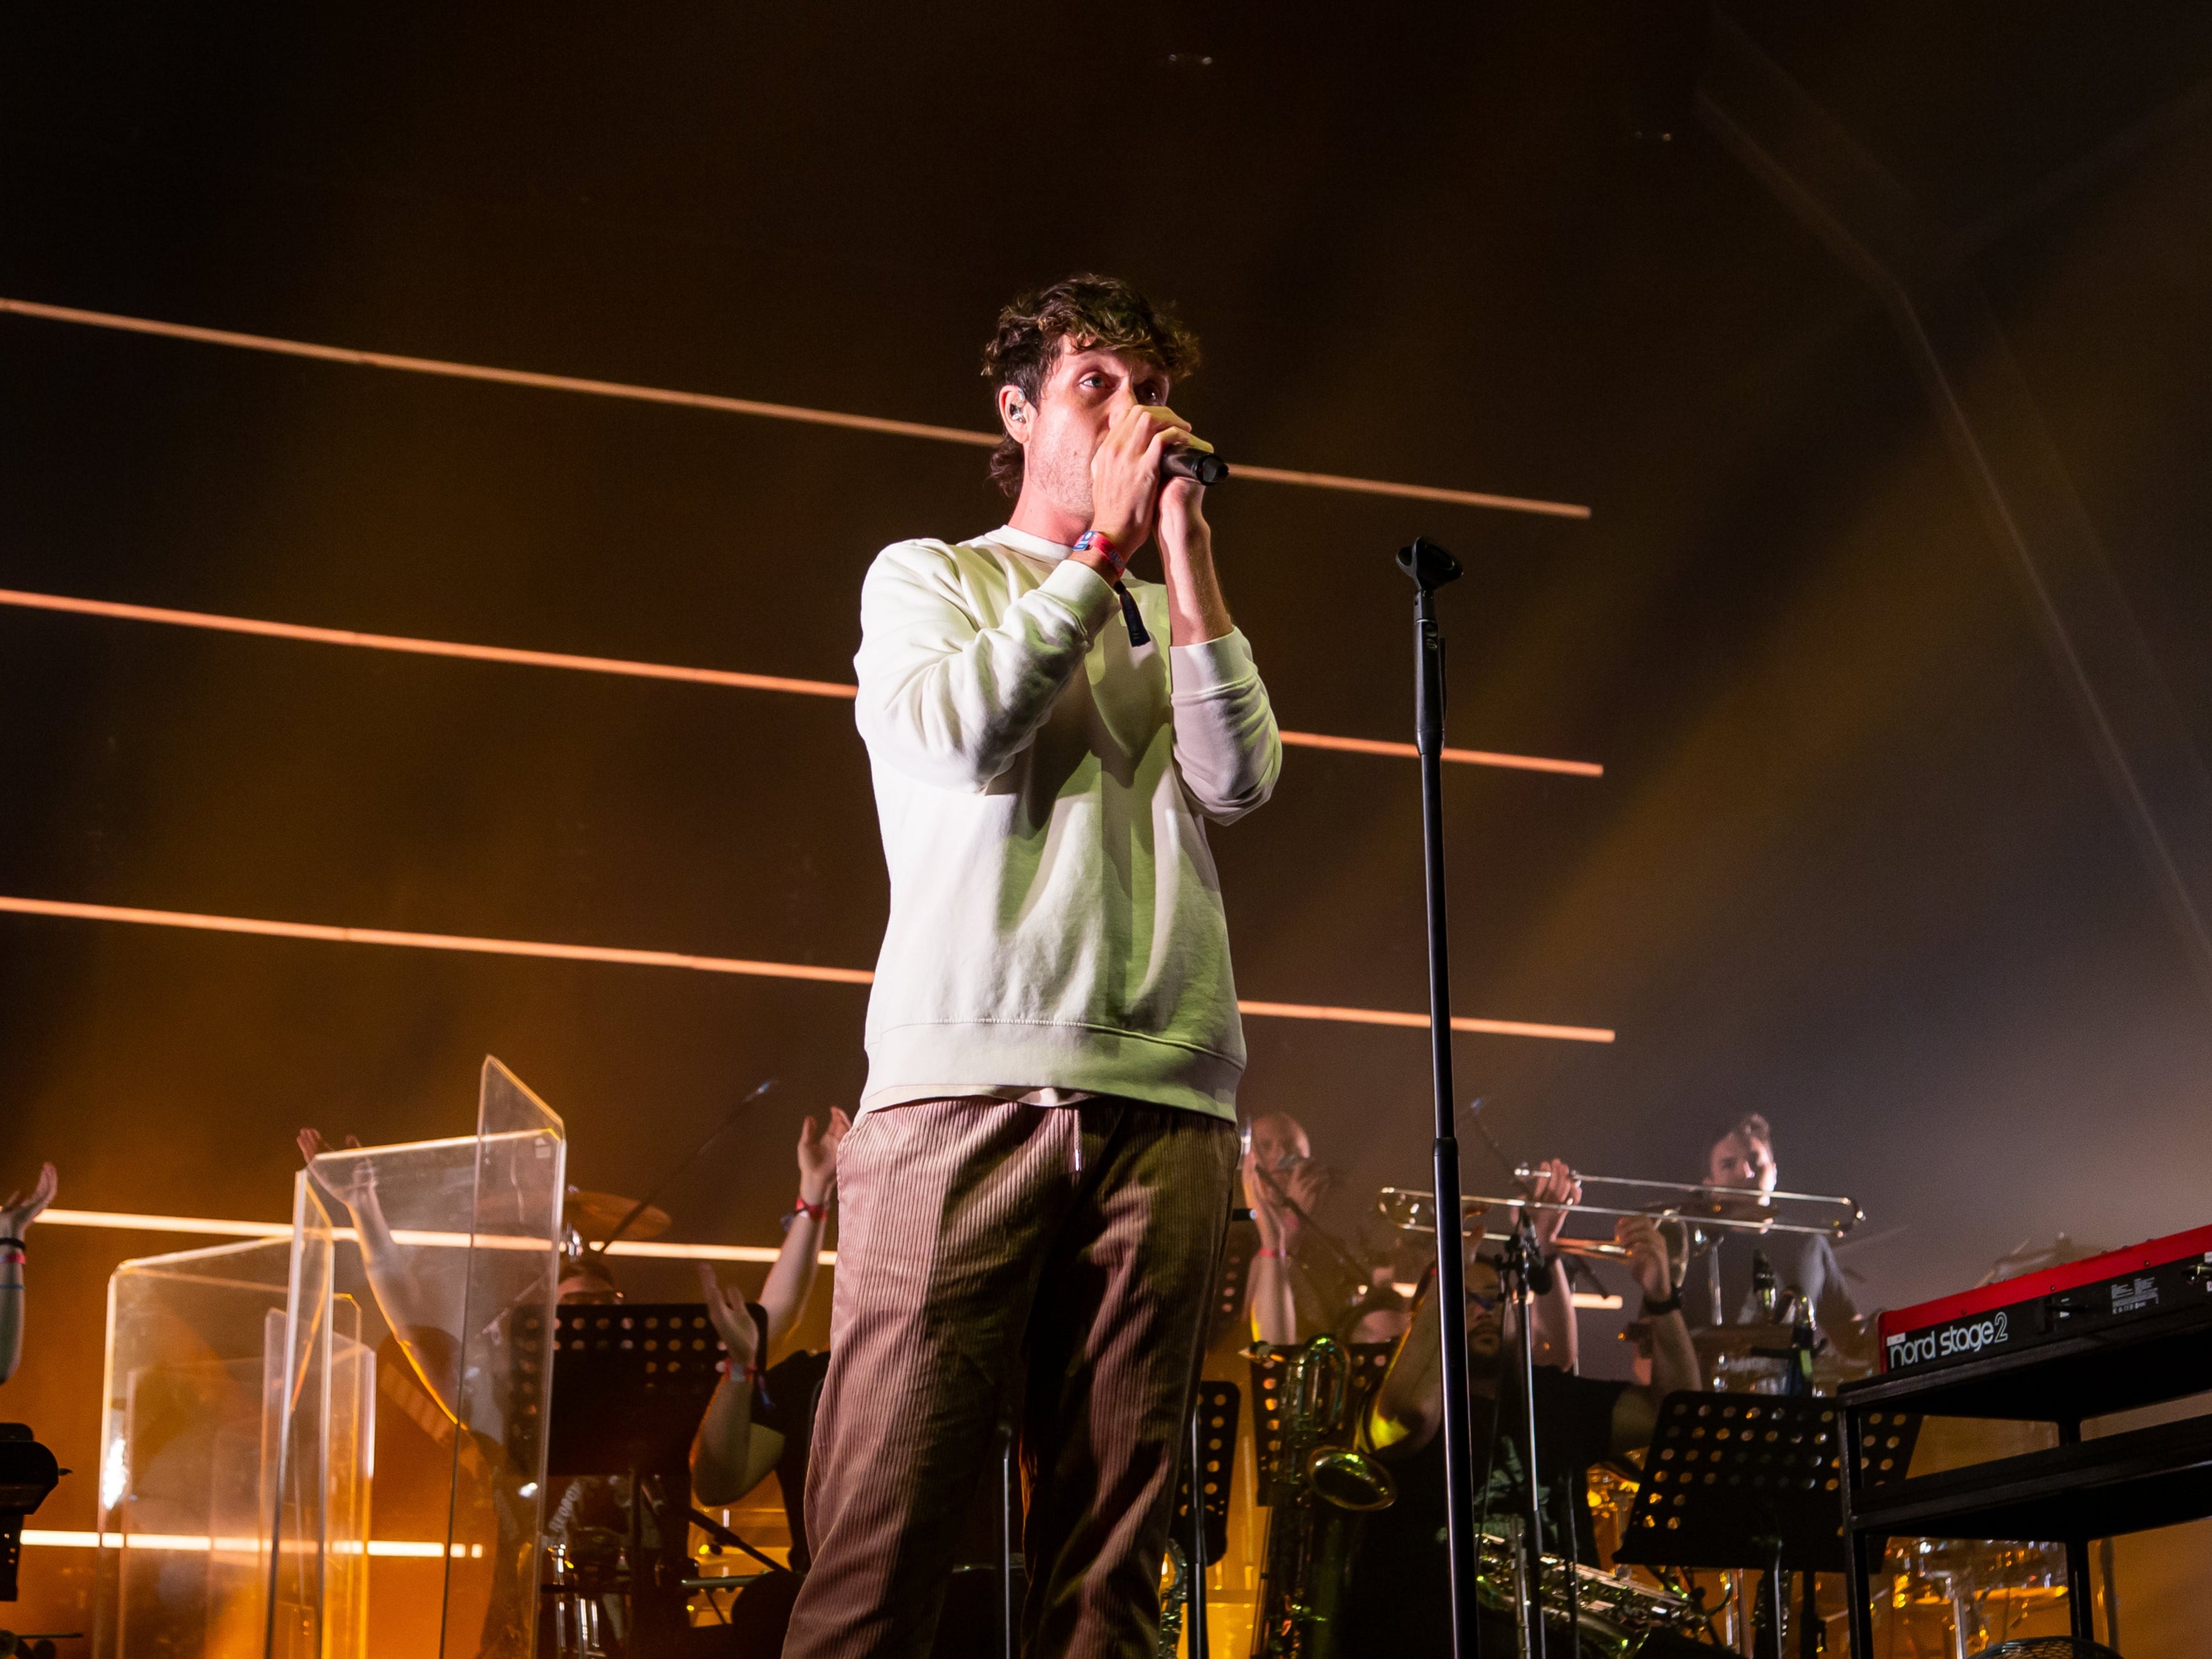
column 817, row 1155
column 733, row 1321
column 21, row 1209
column 1125, row 474
column 360, row 1190
column 1647, row 1255
column 1555, row 1184
column 1263, row 1191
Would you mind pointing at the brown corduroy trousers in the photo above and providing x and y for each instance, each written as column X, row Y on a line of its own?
column 975, row 1238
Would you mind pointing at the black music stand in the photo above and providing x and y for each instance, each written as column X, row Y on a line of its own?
column 1752, row 1481
column 630, row 1384
column 1210, row 1450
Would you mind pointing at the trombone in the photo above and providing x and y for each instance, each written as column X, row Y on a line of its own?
column 1704, row 1211
column 1412, row 1211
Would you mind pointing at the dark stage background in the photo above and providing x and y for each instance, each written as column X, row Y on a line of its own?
column 1852, row 863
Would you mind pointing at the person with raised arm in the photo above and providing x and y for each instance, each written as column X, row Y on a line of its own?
column 1398, row 1597
column 16, row 1215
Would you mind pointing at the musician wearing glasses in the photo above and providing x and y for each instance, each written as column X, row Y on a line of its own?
column 1727, row 1284
column 1397, row 1600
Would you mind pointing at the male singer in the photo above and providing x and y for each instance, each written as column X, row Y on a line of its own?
column 1036, row 1193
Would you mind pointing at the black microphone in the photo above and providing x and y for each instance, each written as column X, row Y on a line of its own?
column 1538, row 1269
column 1204, row 465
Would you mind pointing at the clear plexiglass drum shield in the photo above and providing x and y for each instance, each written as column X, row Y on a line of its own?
column 329, row 1444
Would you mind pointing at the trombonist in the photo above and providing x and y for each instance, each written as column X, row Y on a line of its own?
column 1741, row 1159
column 1397, row 1602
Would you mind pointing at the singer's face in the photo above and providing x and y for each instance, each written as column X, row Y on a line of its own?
column 1085, row 390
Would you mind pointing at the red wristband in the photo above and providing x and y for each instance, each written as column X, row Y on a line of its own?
column 811, row 1211
column 1279, row 1255
column 1098, row 542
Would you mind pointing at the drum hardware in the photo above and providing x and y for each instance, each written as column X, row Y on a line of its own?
column 594, row 1217
column 1173, row 1593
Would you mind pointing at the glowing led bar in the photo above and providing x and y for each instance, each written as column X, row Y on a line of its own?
column 1390, row 1016
column 192, row 1544
column 321, row 932
column 276, row 630
column 496, row 947
column 952, row 434
column 1464, row 757
column 213, row 1227
column 216, row 623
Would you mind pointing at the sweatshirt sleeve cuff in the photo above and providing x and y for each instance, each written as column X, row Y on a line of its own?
column 1083, row 591
column 1210, row 666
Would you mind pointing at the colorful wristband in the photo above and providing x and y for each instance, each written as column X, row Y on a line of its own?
column 1098, row 542
column 811, row 1211
column 1279, row 1255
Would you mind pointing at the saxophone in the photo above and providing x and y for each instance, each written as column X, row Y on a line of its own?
column 1174, row 1596
column 1322, row 1488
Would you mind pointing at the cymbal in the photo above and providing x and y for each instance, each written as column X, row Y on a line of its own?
column 1739, row 1338
column 595, row 1215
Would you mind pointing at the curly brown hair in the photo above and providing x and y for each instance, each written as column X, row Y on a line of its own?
column 1085, row 311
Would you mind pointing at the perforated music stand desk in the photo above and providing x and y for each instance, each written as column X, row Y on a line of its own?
column 630, row 1383
column 1741, row 1480
column 1735, row 1480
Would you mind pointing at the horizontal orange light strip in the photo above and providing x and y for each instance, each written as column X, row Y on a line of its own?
column 201, row 1543
column 522, row 377
column 1465, row 756
column 495, row 947
column 1388, row 1017
column 510, row 947
column 211, row 1227
column 118, row 611
column 649, row 670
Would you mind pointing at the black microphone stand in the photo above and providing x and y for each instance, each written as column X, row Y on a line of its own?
column 1430, row 568
column 1523, row 1277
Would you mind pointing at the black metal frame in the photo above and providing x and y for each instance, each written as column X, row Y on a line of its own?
column 2070, row 1493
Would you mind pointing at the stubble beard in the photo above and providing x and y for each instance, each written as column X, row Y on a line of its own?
column 1062, row 476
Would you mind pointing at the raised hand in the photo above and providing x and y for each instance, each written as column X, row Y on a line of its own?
column 21, row 1209
column 733, row 1321
column 1278, row 1196
column 817, row 1155
column 1124, row 473
column 1556, row 1184
column 360, row 1188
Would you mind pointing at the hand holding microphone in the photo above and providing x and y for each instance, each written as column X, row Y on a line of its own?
column 1194, row 460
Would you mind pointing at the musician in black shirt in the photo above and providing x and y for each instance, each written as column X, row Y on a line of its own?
column 1397, row 1601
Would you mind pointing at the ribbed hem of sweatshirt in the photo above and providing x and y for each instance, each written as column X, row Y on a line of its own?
column 1194, row 670
column 1084, row 593
column 932, row 1062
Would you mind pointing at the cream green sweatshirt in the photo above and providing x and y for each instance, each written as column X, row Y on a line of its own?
column 1043, row 786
